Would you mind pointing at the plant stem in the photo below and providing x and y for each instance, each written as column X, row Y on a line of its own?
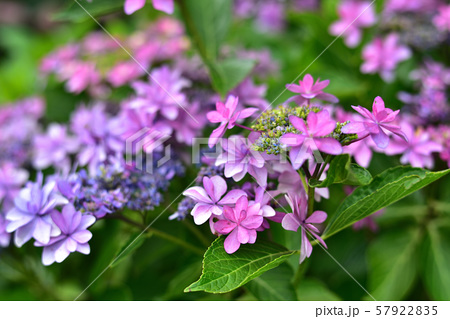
column 311, row 191
column 160, row 234
column 302, row 177
column 245, row 127
column 327, row 160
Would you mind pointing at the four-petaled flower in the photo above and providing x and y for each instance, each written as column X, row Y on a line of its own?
column 311, row 137
column 309, row 90
column 299, row 218
column 209, row 198
column 227, row 116
column 240, row 224
column 375, row 123
column 74, row 235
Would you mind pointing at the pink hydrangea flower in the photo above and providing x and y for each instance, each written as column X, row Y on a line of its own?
column 240, row 223
column 382, row 56
column 74, row 235
column 308, row 90
column 353, row 15
column 417, row 150
column 375, row 123
column 312, row 137
column 298, row 219
column 239, row 159
column 166, row 6
column 210, row 198
column 442, row 19
column 227, row 115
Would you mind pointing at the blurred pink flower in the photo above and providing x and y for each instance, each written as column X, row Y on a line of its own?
column 442, row 19
column 166, row 6
column 308, row 90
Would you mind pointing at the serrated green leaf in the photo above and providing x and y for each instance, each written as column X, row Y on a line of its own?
column 224, row 272
column 315, row 290
column 226, row 75
column 135, row 241
column 337, row 172
column 207, row 22
column 437, row 260
column 357, row 176
column 385, row 189
column 77, row 12
column 392, row 260
column 274, row 285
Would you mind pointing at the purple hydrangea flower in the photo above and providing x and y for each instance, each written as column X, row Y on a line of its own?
column 417, row 149
column 11, row 181
column 5, row 237
column 240, row 223
column 132, row 6
column 309, row 90
column 442, row 19
column 251, row 94
column 210, row 198
column 239, row 159
column 271, row 16
column 312, row 137
column 375, row 123
column 227, row 116
column 298, row 219
column 353, row 15
column 383, row 55
column 30, row 218
column 74, row 235
column 54, row 147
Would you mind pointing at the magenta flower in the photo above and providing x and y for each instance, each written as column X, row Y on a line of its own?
column 239, row 159
column 240, row 224
column 298, row 219
column 31, row 215
column 210, row 199
column 442, row 19
column 227, row 116
column 375, row 123
column 417, row 149
column 311, row 137
column 353, row 15
column 383, row 55
column 309, row 90
column 132, row 6
column 74, row 235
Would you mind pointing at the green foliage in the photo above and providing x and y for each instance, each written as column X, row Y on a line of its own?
column 315, row 290
column 76, row 12
column 223, row 272
column 385, row 189
column 274, row 285
column 136, row 241
column 392, row 264
column 436, row 272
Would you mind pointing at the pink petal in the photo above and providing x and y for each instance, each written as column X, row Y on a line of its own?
column 215, row 117
column 290, row 222
column 353, row 128
column 216, row 134
column 260, row 175
column 82, row 236
column 317, row 217
column 231, row 197
column 241, row 205
column 328, row 145
column 229, row 214
column 292, row 139
column 242, row 235
column 201, row 213
column 306, row 247
column 220, row 187
column 198, row 194
column 164, row 5
column 364, row 112
column 252, row 222
column 247, row 112
column 294, row 88
column 298, row 123
column 380, row 139
column 232, row 243
column 132, row 6
column 224, row 226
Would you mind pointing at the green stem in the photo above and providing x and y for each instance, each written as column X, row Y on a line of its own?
column 327, row 160
column 302, row 177
column 311, row 191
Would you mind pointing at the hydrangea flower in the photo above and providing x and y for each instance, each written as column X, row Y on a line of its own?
column 240, row 223
column 375, row 123
column 30, row 218
column 54, row 147
column 442, row 19
column 239, row 159
column 382, row 56
column 227, row 115
column 11, row 181
column 132, row 6
column 251, row 94
column 298, row 218
column 312, row 137
column 309, row 90
column 5, row 237
column 74, row 235
column 417, row 149
column 353, row 15
column 210, row 198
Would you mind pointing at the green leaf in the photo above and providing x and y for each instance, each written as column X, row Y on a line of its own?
column 393, row 263
column 223, row 272
column 437, row 260
column 226, row 75
column 357, row 176
column 337, row 172
column 75, row 12
column 135, row 241
column 207, row 22
column 315, row 290
column 385, row 189
column 274, row 285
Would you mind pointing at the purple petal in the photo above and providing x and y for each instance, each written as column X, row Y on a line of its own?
column 317, row 217
column 224, row 226
column 306, row 247
column 242, row 235
column 290, row 222
column 380, row 139
column 252, row 222
column 82, row 236
column 232, row 243
column 231, row 197
column 201, row 213
column 220, row 187
column 198, row 194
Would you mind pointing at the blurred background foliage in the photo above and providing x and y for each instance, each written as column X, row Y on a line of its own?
column 407, row 259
